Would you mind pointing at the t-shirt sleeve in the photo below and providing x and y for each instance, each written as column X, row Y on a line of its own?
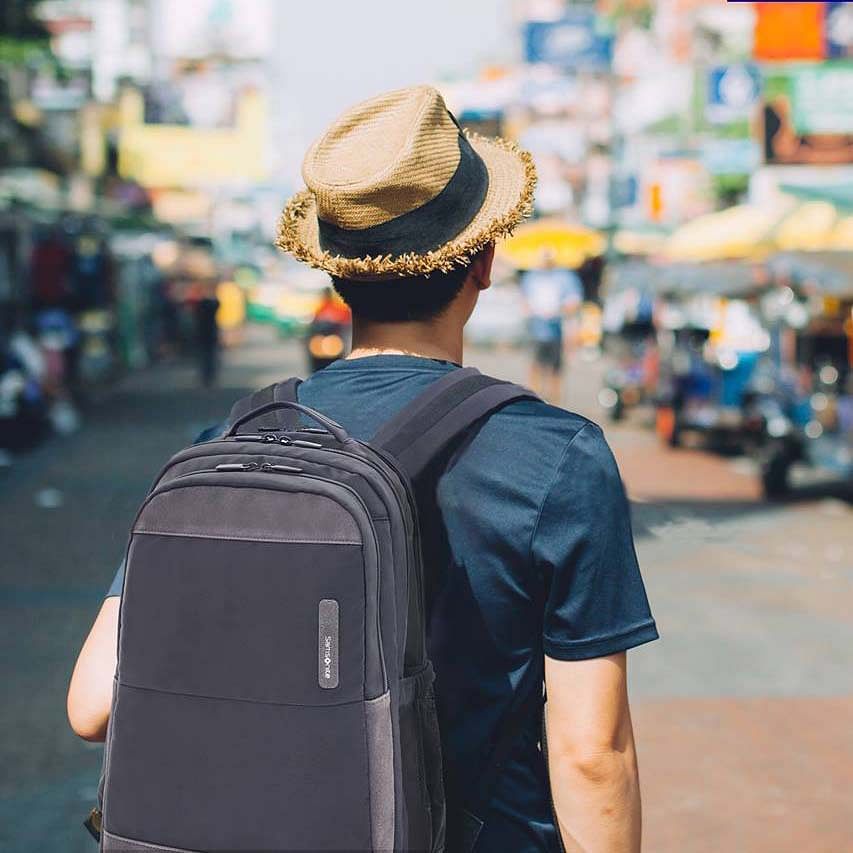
column 596, row 603
column 118, row 582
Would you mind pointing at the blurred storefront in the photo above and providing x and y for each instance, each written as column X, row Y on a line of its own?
column 129, row 129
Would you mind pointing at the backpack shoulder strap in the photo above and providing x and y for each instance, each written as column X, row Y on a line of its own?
column 415, row 437
column 278, row 392
column 450, row 406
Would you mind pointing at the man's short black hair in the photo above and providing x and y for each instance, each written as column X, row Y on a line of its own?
column 399, row 300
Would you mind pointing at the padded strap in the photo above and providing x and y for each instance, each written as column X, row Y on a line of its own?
column 415, row 437
column 425, row 428
column 278, row 392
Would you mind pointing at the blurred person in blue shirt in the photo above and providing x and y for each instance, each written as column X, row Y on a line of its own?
column 552, row 295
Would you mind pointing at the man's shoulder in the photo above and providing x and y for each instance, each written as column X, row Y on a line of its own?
column 538, row 431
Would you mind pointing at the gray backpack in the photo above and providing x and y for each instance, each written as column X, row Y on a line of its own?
column 273, row 690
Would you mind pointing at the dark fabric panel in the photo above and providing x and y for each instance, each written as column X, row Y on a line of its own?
column 383, row 500
column 426, row 227
column 245, row 514
column 433, row 770
column 239, row 619
column 277, row 488
column 201, row 774
column 421, row 763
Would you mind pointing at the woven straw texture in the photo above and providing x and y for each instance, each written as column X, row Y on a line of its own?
column 385, row 157
column 388, row 156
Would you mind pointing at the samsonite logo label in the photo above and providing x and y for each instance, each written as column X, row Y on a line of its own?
column 327, row 669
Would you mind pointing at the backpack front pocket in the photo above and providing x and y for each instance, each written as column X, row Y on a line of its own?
column 226, row 732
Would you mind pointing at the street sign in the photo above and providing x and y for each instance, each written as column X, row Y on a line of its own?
column 733, row 91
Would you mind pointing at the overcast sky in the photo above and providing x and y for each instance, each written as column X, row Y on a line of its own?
column 333, row 54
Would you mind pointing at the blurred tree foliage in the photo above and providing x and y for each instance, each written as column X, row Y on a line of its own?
column 22, row 34
column 24, row 47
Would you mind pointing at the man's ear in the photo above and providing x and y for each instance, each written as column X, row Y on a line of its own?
column 481, row 268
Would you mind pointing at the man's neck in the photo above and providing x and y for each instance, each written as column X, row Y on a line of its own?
column 440, row 340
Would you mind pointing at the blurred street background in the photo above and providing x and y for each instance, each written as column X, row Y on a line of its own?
column 686, row 281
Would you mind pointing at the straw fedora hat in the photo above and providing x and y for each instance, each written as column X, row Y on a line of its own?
column 395, row 188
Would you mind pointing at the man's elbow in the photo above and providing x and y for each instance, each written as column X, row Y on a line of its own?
column 598, row 759
column 86, row 722
column 598, row 767
column 87, row 727
column 91, row 686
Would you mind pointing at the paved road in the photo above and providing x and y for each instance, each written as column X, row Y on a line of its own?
column 743, row 709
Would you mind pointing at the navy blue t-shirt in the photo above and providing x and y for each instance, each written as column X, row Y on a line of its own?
column 533, row 508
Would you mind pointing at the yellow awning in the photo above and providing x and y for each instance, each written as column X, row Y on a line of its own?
column 569, row 245
column 809, row 228
column 742, row 231
column 841, row 238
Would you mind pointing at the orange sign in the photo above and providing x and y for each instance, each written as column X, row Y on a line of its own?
column 789, row 31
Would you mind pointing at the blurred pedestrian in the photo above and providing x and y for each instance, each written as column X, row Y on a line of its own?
column 207, row 334
column 201, row 274
column 553, row 296
column 50, row 271
column 52, row 274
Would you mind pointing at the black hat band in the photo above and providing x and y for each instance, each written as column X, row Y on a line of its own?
column 425, row 228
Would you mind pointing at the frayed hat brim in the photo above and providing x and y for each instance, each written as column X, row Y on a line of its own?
column 512, row 180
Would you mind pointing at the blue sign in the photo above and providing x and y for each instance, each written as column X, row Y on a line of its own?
column 733, row 91
column 576, row 41
column 839, row 30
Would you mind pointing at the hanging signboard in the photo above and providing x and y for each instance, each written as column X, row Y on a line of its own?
column 575, row 41
column 786, row 31
column 808, row 114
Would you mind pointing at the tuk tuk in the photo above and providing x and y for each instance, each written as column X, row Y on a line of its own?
column 710, row 341
column 805, row 387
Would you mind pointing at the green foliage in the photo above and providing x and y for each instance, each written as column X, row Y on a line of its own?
column 730, row 189
column 23, row 37
column 625, row 11
column 15, row 51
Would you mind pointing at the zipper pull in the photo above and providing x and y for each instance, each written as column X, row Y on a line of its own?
column 301, row 442
column 280, row 469
column 237, row 466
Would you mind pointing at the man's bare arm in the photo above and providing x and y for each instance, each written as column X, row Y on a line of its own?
column 591, row 757
column 91, row 689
